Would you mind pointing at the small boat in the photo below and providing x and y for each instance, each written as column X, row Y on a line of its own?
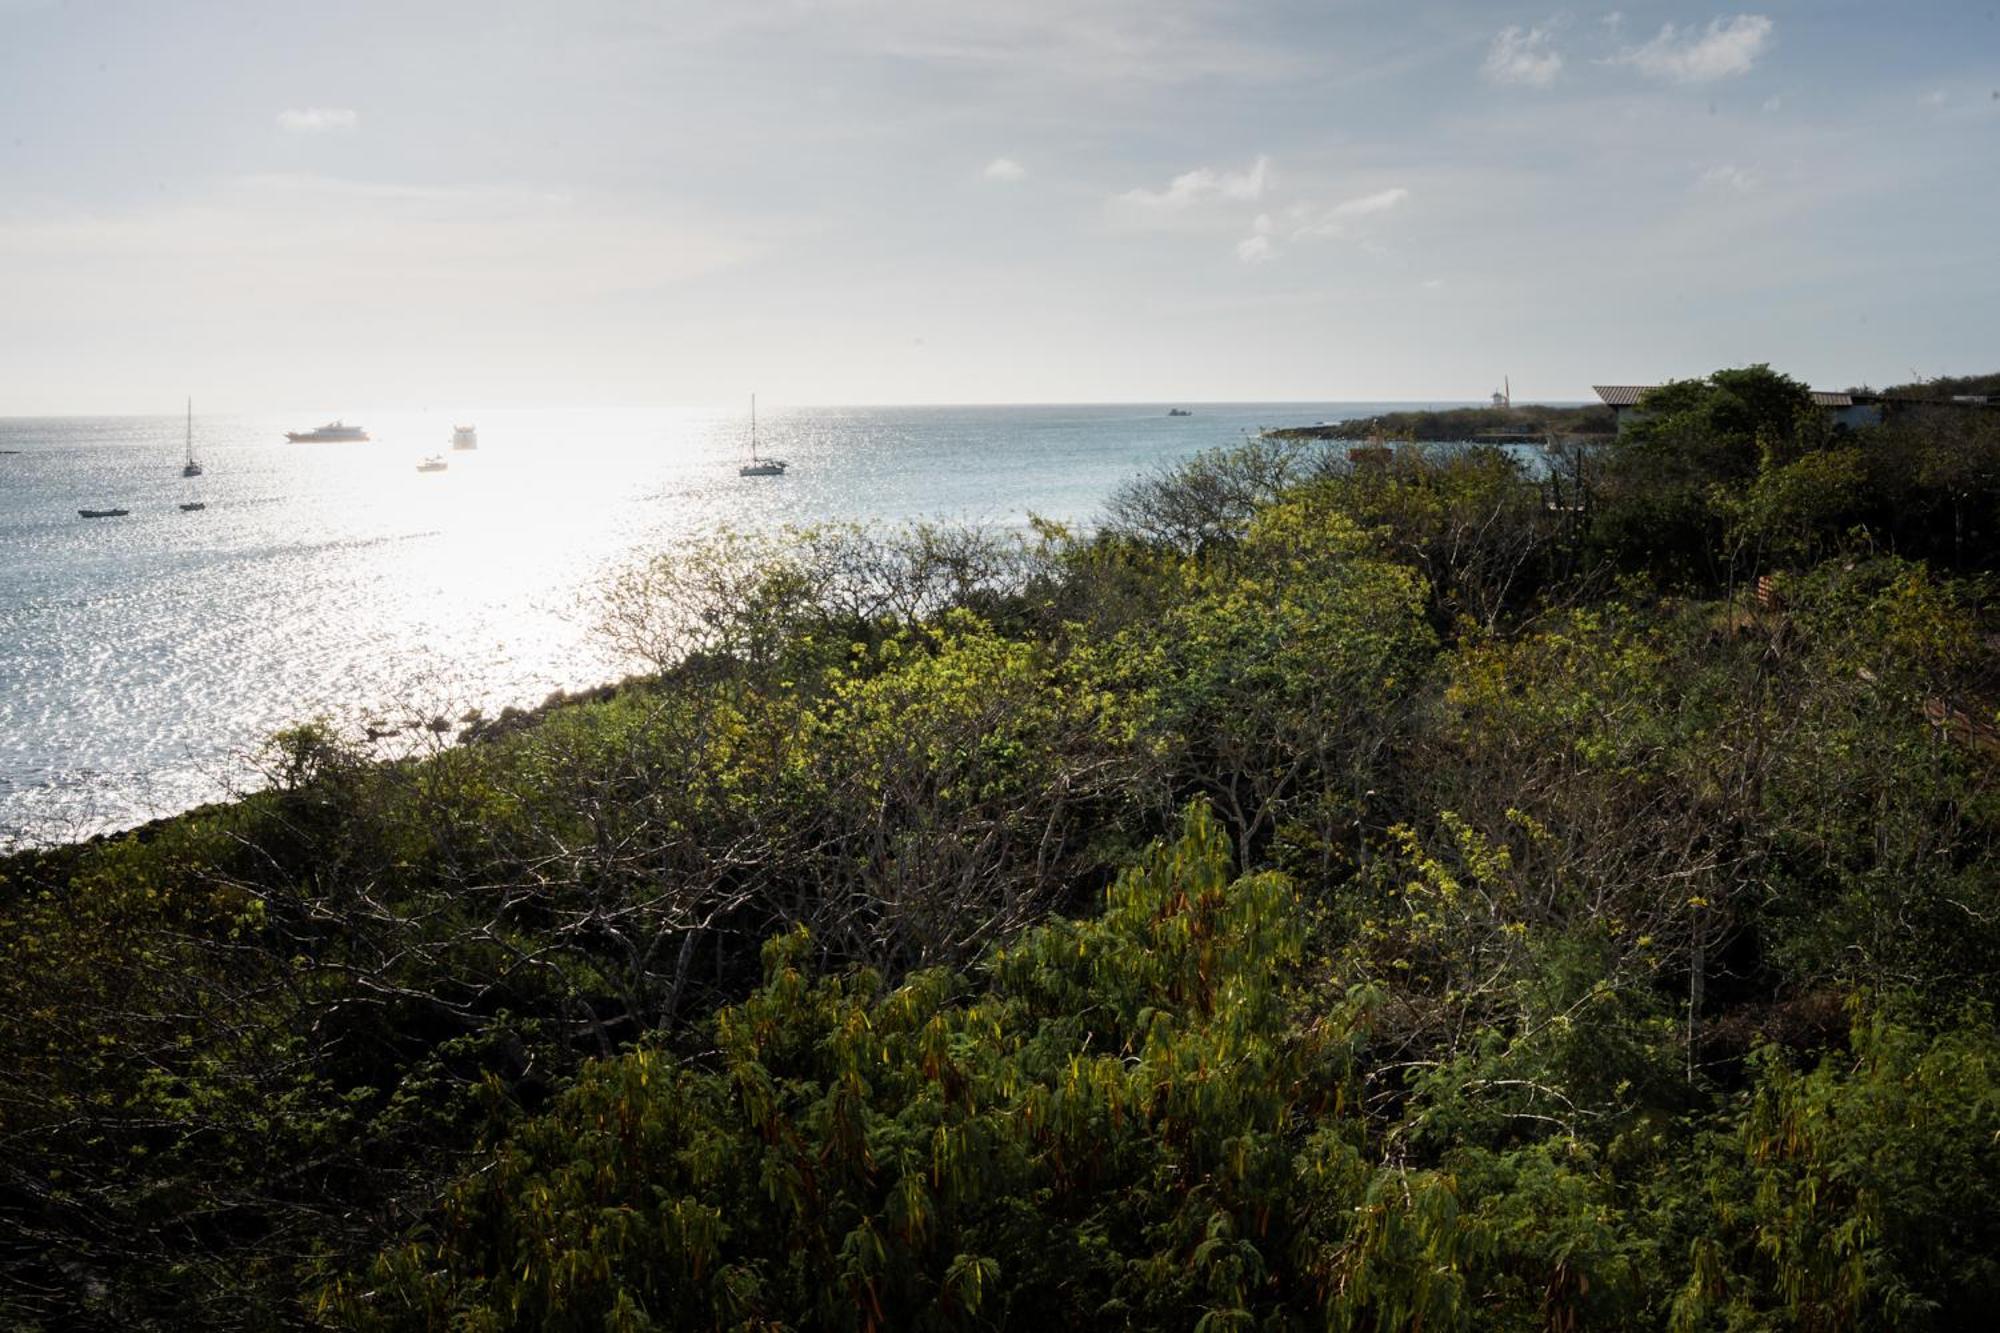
column 189, row 506
column 1179, row 412
column 102, row 513
column 332, row 431
column 759, row 467
column 464, row 437
column 190, row 468
column 435, row 463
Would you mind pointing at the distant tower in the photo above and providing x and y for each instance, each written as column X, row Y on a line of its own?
column 1504, row 397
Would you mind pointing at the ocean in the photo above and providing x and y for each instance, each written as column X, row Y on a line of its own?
column 144, row 660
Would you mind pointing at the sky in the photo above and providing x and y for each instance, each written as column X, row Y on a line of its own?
column 276, row 204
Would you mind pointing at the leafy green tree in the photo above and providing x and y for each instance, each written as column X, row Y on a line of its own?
column 1853, row 1195
column 1284, row 671
column 1125, row 1121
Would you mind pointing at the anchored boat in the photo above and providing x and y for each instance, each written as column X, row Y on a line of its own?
column 331, row 432
column 759, row 467
column 190, row 468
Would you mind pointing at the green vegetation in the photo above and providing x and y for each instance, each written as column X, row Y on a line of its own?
column 1463, row 424
column 1422, row 893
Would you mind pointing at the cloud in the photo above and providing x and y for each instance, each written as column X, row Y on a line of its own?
column 1938, row 98
column 1724, row 49
column 318, row 119
column 1201, row 186
column 1523, row 56
column 1379, row 202
column 1729, row 177
column 312, row 240
column 1301, row 222
column 1005, row 169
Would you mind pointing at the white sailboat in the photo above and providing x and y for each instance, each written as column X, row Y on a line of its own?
column 759, row 467
column 190, row 468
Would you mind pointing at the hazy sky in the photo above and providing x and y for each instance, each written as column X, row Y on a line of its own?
column 275, row 205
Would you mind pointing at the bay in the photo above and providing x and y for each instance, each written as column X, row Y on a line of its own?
column 145, row 659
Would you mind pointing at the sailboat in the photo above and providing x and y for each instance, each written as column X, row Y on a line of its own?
column 190, row 468
column 759, row 467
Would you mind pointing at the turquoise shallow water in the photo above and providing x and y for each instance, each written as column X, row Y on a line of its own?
column 143, row 659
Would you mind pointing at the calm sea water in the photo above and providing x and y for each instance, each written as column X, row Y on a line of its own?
column 144, row 659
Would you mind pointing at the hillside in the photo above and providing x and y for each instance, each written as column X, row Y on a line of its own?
column 1461, row 424
column 1321, row 897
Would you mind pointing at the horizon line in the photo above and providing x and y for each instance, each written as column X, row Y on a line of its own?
column 72, row 414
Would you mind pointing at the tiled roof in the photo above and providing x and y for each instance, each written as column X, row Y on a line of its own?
column 1628, row 395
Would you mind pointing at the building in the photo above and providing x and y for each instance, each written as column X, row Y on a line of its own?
column 1844, row 410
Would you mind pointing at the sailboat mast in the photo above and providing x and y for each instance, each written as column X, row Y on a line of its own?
column 190, row 429
column 753, row 427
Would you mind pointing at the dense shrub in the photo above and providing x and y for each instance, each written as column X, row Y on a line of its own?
column 1543, row 823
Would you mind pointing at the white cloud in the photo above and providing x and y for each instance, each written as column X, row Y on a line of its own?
column 1300, row 222
column 1729, row 177
column 1773, row 102
column 1432, row 284
column 1005, row 169
column 1379, row 202
column 318, row 119
column 313, row 240
column 1254, row 249
column 1200, row 186
column 1725, row 48
column 1523, row 56
column 1938, row 98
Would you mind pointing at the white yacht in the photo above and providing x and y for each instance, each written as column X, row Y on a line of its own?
column 464, row 437
column 331, row 432
column 435, row 463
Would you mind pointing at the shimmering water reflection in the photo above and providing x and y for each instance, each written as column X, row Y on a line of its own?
column 144, row 659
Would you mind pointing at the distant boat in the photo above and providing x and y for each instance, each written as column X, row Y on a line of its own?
column 192, row 505
column 102, row 513
column 190, row 468
column 464, row 437
column 331, row 432
column 435, row 463
column 759, row 467
column 1179, row 412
